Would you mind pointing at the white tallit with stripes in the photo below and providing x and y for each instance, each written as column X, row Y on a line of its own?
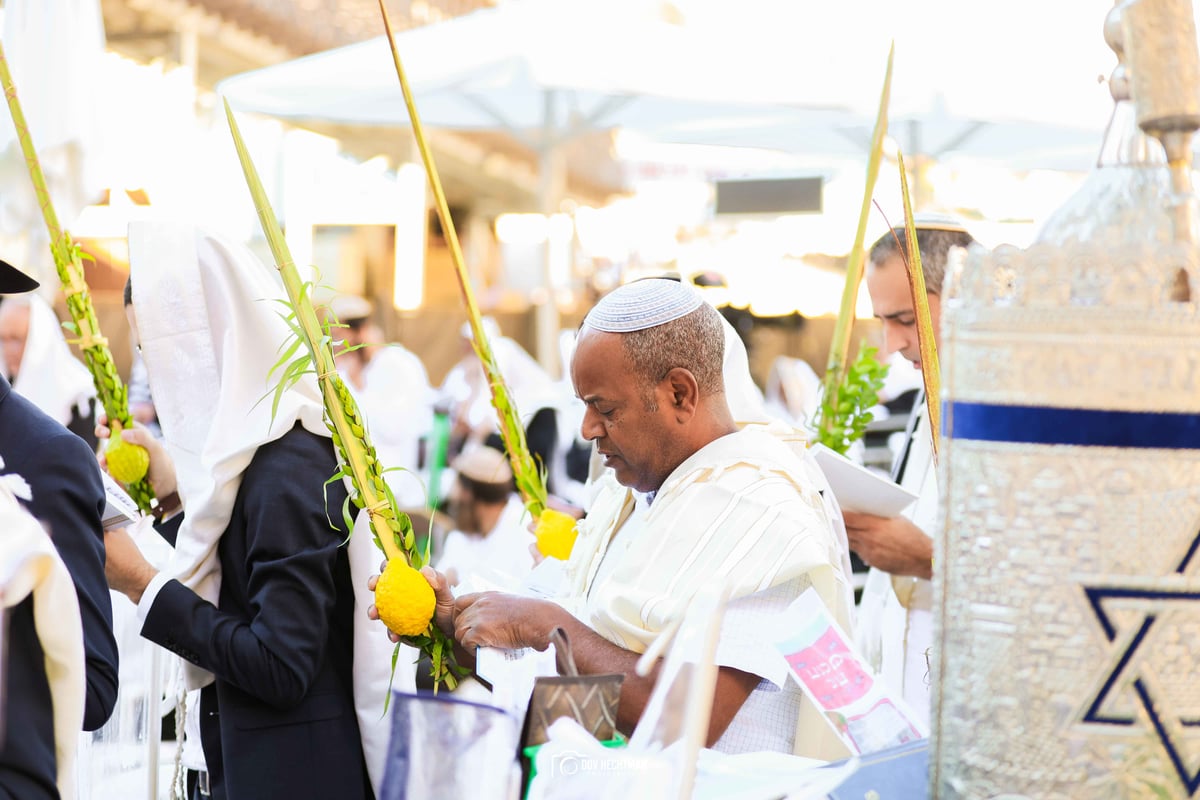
column 739, row 510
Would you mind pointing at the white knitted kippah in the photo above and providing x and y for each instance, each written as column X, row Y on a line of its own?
column 642, row 304
column 933, row 221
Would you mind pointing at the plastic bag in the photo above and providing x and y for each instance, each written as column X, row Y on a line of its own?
column 443, row 747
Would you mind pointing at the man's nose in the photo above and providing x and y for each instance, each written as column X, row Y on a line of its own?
column 894, row 338
column 591, row 428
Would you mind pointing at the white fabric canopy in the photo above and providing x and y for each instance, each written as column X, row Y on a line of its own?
column 548, row 68
column 795, row 76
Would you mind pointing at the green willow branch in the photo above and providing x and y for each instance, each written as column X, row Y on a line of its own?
column 931, row 371
column 68, row 263
column 527, row 474
column 837, row 367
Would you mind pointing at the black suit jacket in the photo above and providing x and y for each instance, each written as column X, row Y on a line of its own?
column 279, row 720
column 68, row 498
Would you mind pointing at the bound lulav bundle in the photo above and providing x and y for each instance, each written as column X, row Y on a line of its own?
column 404, row 598
column 555, row 530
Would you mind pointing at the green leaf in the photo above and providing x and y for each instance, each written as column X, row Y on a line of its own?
column 337, row 476
column 291, row 351
column 293, row 373
column 347, row 517
column 392, row 677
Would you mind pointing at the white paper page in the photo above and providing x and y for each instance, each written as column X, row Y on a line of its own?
column 858, row 488
column 512, row 673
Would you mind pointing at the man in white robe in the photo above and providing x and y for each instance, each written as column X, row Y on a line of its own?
column 491, row 539
column 895, row 616
column 691, row 501
column 392, row 390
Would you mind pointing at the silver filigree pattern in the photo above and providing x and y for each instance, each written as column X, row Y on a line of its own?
column 1067, row 585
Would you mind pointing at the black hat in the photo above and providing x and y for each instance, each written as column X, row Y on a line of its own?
column 13, row 281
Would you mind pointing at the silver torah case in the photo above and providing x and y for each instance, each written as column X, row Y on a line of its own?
column 1067, row 585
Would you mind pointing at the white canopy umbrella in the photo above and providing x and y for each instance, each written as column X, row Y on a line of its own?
column 1018, row 83
column 544, row 71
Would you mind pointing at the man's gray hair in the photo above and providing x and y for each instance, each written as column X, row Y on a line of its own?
column 934, row 245
column 695, row 342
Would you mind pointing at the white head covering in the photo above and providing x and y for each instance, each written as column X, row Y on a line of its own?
column 491, row 329
column 741, row 392
column 209, row 334
column 642, row 304
column 50, row 376
column 793, row 390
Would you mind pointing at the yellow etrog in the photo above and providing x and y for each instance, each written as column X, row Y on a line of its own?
column 126, row 462
column 404, row 599
column 555, row 534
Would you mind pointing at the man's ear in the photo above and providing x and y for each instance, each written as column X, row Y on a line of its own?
column 683, row 392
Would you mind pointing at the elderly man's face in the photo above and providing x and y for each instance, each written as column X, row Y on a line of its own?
column 891, row 298
column 14, row 330
column 639, row 443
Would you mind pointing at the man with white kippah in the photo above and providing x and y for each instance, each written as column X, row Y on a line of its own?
column 490, row 539
column 690, row 501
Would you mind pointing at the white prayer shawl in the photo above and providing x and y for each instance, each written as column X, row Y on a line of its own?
column 741, row 392
column 29, row 564
column 797, row 441
column 738, row 511
column 749, row 409
column 531, row 386
column 895, row 630
column 50, row 376
column 502, row 555
column 210, row 331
